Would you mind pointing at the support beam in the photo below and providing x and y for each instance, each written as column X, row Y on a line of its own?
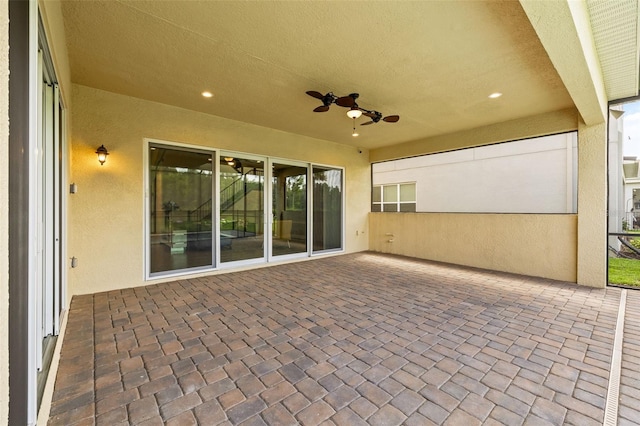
column 19, row 133
column 564, row 29
column 592, row 205
column 4, row 214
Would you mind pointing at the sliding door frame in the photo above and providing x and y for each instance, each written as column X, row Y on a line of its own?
column 267, row 220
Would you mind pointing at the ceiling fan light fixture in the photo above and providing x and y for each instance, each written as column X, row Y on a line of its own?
column 354, row 113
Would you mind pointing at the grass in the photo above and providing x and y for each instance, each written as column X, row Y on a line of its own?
column 624, row 271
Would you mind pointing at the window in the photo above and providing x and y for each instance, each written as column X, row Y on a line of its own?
column 400, row 197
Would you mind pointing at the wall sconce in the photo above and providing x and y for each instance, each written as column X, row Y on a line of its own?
column 102, row 154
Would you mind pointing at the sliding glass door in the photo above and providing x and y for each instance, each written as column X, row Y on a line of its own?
column 208, row 209
column 327, row 209
column 289, row 209
column 242, row 214
column 180, row 207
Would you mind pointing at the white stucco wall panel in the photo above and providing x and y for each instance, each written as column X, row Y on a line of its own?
column 528, row 176
column 527, row 127
column 106, row 215
column 536, row 245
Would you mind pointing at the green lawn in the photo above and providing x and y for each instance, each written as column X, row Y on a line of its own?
column 624, row 271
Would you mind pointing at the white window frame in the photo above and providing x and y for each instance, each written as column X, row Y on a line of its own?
column 398, row 201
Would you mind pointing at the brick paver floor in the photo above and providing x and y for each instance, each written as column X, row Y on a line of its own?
column 353, row 339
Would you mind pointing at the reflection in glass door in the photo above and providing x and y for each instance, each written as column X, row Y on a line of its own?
column 180, row 205
column 327, row 209
column 241, row 208
column 289, row 209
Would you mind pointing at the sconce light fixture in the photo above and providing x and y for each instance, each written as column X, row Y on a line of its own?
column 102, row 154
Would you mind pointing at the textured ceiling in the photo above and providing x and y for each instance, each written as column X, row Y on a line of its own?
column 433, row 62
column 615, row 33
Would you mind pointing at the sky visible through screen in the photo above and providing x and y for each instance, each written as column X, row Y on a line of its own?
column 631, row 129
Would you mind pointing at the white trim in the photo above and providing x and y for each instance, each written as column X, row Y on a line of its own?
column 146, row 229
column 266, row 189
column 64, row 165
column 58, row 194
column 48, row 205
column 303, row 254
column 215, row 212
column 36, row 206
column 613, row 392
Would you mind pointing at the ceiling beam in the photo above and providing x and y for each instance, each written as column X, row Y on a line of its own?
column 564, row 29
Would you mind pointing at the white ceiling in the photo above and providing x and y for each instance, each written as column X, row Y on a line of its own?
column 615, row 33
column 432, row 62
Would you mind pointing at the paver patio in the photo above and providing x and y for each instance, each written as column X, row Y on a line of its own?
column 353, row 339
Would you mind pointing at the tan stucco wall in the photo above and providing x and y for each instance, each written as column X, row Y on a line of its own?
column 106, row 215
column 537, row 245
column 588, row 266
column 592, row 205
column 4, row 212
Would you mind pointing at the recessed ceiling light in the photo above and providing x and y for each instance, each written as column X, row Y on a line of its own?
column 207, row 94
column 495, row 95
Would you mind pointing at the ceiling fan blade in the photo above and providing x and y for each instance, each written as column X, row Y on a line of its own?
column 321, row 108
column 391, row 118
column 369, row 114
column 315, row 94
column 346, row 101
column 367, row 123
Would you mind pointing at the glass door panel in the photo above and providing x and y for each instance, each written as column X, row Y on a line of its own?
column 327, row 209
column 181, row 188
column 241, row 208
column 289, row 209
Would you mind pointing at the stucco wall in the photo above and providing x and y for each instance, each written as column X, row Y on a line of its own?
column 4, row 219
column 527, row 127
column 589, row 246
column 537, row 245
column 106, row 215
column 525, row 176
column 592, row 205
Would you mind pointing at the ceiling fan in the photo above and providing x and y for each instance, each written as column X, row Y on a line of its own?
column 355, row 110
